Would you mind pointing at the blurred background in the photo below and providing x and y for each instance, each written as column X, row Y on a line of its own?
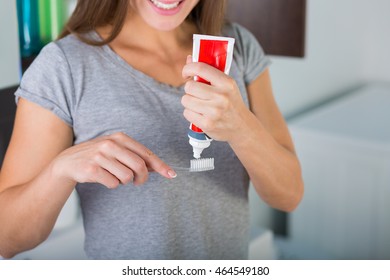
column 331, row 79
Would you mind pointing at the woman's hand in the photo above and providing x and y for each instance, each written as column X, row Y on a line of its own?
column 218, row 109
column 110, row 160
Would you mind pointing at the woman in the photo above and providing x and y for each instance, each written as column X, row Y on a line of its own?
column 102, row 110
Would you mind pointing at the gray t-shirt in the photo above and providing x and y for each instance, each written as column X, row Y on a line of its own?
column 194, row 216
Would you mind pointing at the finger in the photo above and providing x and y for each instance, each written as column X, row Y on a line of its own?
column 106, row 178
column 112, row 148
column 152, row 160
column 200, row 90
column 133, row 162
column 195, row 104
column 189, row 59
column 138, row 165
column 210, row 108
column 116, row 168
column 156, row 164
column 207, row 72
column 195, row 118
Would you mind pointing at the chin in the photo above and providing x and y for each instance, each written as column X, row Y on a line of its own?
column 166, row 26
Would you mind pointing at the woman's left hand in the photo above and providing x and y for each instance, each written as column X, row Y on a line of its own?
column 217, row 109
column 267, row 151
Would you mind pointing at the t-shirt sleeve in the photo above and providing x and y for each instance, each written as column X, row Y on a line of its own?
column 253, row 59
column 48, row 83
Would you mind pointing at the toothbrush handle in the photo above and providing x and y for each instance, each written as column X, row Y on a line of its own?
column 176, row 168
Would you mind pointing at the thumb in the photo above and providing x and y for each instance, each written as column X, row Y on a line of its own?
column 189, row 59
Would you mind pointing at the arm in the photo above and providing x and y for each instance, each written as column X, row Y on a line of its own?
column 41, row 169
column 259, row 136
column 271, row 161
column 30, row 198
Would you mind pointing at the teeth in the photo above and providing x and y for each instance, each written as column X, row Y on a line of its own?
column 164, row 5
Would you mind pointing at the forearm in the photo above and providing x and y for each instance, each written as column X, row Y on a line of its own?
column 29, row 211
column 274, row 170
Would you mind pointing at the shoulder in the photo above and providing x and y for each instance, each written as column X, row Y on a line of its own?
column 235, row 30
column 59, row 53
column 246, row 45
column 68, row 55
column 58, row 64
column 242, row 35
column 73, row 48
column 248, row 53
column 55, row 59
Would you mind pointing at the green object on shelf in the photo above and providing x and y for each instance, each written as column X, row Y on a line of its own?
column 58, row 12
column 52, row 16
column 44, row 21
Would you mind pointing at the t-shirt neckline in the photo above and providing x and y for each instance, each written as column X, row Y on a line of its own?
column 107, row 50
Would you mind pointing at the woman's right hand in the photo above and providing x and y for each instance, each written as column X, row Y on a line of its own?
column 41, row 168
column 109, row 160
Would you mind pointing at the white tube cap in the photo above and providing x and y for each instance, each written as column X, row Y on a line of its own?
column 198, row 146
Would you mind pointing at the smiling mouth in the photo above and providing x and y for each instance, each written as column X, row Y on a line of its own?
column 166, row 6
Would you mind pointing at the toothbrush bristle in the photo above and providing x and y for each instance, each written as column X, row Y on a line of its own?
column 203, row 164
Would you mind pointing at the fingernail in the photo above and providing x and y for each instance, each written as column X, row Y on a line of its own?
column 172, row 174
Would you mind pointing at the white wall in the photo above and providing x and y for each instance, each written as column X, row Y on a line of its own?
column 347, row 44
column 377, row 55
column 9, row 46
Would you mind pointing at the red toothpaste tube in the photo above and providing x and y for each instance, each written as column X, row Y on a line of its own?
column 217, row 52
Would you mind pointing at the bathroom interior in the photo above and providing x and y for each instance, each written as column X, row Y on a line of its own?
column 331, row 78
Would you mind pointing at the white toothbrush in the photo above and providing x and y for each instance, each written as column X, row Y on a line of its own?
column 198, row 165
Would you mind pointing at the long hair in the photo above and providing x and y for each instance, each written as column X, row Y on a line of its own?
column 208, row 15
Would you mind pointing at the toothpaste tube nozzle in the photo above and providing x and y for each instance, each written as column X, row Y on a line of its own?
column 199, row 141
